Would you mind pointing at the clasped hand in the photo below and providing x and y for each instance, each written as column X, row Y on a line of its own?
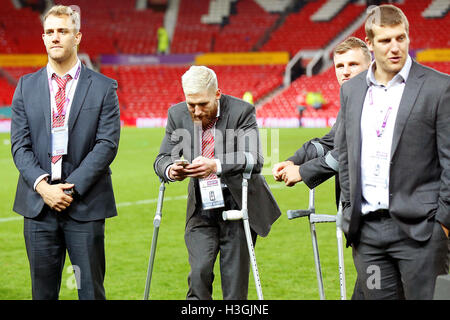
column 54, row 196
column 288, row 172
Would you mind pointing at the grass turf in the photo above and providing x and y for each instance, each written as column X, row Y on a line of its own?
column 285, row 257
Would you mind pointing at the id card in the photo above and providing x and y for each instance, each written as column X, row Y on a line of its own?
column 60, row 139
column 378, row 173
column 211, row 192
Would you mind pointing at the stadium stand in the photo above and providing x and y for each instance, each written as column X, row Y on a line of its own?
column 300, row 32
column 252, row 18
column 148, row 91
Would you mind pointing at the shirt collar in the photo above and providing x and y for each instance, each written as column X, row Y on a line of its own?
column 72, row 72
column 218, row 109
column 402, row 74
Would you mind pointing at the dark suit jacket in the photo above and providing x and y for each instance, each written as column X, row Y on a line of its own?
column 315, row 169
column 236, row 131
column 419, row 191
column 94, row 129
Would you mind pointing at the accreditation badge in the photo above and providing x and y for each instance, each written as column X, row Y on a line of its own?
column 60, row 139
column 211, row 192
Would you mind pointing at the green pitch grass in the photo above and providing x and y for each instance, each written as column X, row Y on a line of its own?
column 284, row 257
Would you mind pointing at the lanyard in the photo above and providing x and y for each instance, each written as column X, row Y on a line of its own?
column 66, row 103
column 380, row 130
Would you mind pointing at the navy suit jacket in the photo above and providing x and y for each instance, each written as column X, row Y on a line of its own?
column 94, row 130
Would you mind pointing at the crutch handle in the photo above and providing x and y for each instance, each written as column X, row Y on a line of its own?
column 292, row 214
column 232, row 215
column 318, row 218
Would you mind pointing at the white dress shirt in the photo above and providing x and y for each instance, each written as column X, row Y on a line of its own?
column 377, row 129
column 70, row 92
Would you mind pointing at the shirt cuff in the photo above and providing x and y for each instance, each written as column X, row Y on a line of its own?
column 166, row 173
column 39, row 179
column 219, row 167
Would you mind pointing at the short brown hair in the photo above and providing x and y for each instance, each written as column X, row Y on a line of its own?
column 60, row 10
column 350, row 44
column 384, row 15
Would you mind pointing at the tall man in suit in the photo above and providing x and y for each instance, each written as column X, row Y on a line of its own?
column 394, row 165
column 225, row 127
column 64, row 135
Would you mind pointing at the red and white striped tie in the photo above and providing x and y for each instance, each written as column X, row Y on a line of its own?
column 208, row 144
column 60, row 98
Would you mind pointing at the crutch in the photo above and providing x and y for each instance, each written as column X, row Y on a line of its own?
column 243, row 214
column 320, row 218
column 156, row 224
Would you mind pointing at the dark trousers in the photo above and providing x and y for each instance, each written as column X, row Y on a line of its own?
column 47, row 237
column 391, row 265
column 206, row 235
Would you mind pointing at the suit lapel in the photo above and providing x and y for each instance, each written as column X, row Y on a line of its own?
column 223, row 117
column 220, row 138
column 45, row 103
column 80, row 94
column 412, row 88
column 355, row 121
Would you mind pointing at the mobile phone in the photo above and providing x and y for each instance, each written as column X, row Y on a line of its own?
column 182, row 162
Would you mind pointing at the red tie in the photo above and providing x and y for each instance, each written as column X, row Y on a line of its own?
column 208, row 144
column 60, row 98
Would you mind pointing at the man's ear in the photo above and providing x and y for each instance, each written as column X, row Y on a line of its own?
column 369, row 44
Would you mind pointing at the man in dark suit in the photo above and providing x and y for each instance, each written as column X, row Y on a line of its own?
column 225, row 127
column 394, row 165
column 64, row 135
column 350, row 57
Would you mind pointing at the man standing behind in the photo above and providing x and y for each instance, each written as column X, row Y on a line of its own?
column 226, row 129
column 64, row 135
column 394, row 165
column 350, row 58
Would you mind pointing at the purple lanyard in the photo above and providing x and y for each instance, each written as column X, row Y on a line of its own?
column 386, row 116
column 66, row 103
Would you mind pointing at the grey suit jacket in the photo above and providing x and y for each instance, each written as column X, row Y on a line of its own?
column 419, row 191
column 236, row 131
column 315, row 169
column 94, row 130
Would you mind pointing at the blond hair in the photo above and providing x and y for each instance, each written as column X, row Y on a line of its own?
column 384, row 15
column 351, row 44
column 60, row 10
column 198, row 79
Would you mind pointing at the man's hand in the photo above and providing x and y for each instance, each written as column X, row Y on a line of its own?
column 277, row 168
column 177, row 172
column 201, row 167
column 291, row 175
column 54, row 196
